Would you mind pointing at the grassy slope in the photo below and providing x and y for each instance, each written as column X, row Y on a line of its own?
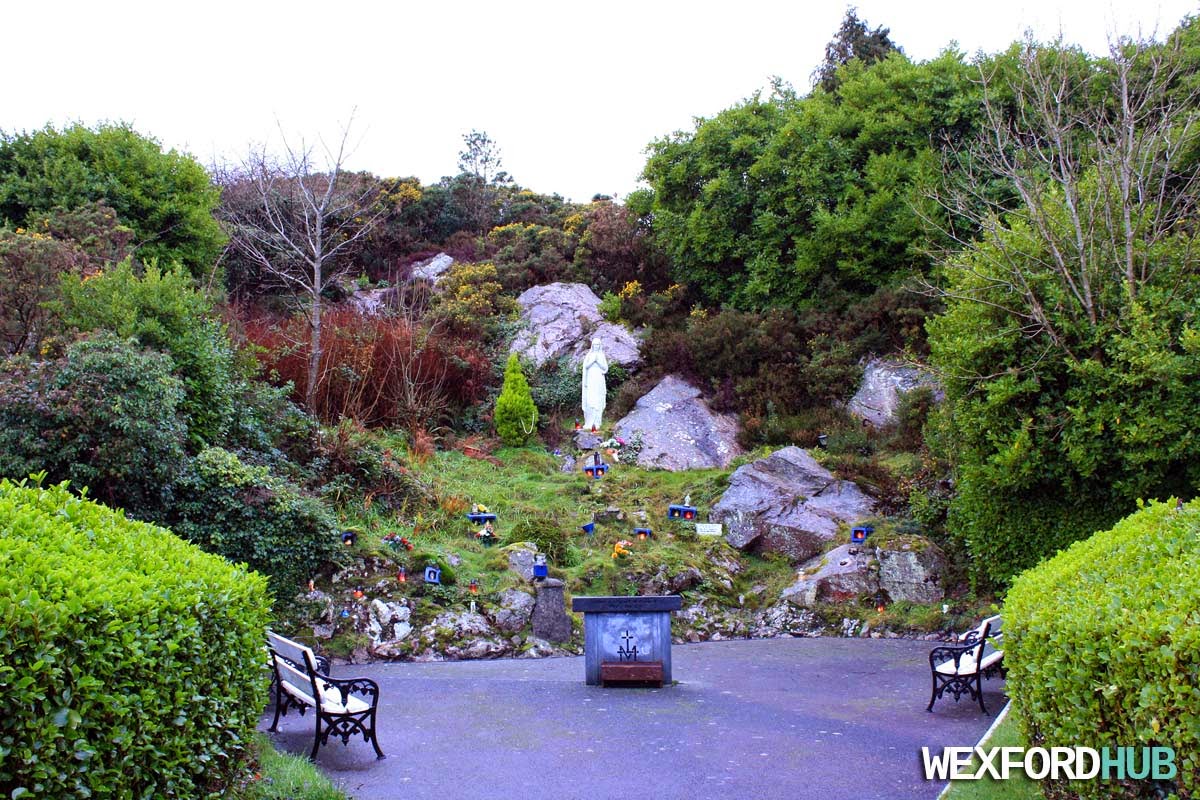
column 526, row 484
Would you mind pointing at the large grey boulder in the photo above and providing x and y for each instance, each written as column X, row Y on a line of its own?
column 463, row 635
column 884, row 383
column 788, row 503
column 678, row 429
column 432, row 269
column 372, row 302
column 904, row 568
column 910, row 568
column 841, row 574
column 516, row 608
column 560, row 319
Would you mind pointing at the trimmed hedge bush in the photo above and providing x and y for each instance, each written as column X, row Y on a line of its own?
column 131, row 662
column 1103, row 646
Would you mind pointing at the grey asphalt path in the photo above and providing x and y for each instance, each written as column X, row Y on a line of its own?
column 774, row 718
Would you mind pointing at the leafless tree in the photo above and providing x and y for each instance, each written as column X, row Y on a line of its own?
column 307, row 213
column 1094, row 162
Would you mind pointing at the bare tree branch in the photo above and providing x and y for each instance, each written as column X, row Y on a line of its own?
column 305, row 219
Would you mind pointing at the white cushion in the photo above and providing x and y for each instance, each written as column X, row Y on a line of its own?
column 331, row 700
column 966, row 664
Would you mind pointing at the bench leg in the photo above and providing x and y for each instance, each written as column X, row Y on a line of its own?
column 933, row 694
column 316, row 734
column 979, row 691
column 375, row 738
column 278, row 706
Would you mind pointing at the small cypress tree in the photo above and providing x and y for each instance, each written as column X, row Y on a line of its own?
column 516, row 415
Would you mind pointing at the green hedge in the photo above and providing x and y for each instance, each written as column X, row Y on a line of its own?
column 1103, row 645
column 130, row 660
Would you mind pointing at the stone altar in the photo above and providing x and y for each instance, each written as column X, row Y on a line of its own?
column 626, row 629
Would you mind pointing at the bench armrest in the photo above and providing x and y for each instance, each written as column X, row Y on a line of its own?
column 362, row 687
column 950, row 652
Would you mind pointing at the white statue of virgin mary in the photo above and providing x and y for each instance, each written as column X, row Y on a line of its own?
column 595, row 366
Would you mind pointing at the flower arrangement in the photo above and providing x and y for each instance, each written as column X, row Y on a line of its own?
column 486, row 535
column 621, row 549
column 397, row 542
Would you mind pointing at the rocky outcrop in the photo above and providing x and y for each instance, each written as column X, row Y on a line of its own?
column 902, row 568
column 432, row 269
column 585, row 440
column 788, row 503
column 708, row 621
column 910, row 568
column 678, row 430
column 514, row 612
column 372, row 302
column 884, row 383
column 842, row 574
column 388, row 627
column 561, row 319
column 455, row 635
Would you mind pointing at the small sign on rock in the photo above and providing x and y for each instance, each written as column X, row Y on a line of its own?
column 708, row 529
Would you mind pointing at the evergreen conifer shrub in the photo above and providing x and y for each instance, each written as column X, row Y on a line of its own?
column 516, row 415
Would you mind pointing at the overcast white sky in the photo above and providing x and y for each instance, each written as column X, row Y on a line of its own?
column 572, row 92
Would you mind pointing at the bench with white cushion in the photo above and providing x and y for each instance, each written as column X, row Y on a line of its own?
column 342, row 707
column 960, row 669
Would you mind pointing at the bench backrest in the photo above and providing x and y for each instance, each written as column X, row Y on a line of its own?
column 294, row 663
column 994, row 635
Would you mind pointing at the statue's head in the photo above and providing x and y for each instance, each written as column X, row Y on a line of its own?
column 596, row 344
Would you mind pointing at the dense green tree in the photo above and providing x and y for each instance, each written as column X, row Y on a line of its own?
column 785, row 200
column 104, row 415
column 516, row 415
column 1069, row 346
column 162, row 310
column 166, row 198
column 854, row 40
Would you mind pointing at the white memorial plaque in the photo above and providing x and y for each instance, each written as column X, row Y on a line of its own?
column 708, row 529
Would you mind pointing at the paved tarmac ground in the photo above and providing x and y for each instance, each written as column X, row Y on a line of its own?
column 822, row 718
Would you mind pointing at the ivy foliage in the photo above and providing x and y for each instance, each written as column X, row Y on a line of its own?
column 131, row 660
column 251, row 517
column 1102, row 646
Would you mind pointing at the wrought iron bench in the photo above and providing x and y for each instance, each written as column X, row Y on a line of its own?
column 342, row 707
column 960, row 669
